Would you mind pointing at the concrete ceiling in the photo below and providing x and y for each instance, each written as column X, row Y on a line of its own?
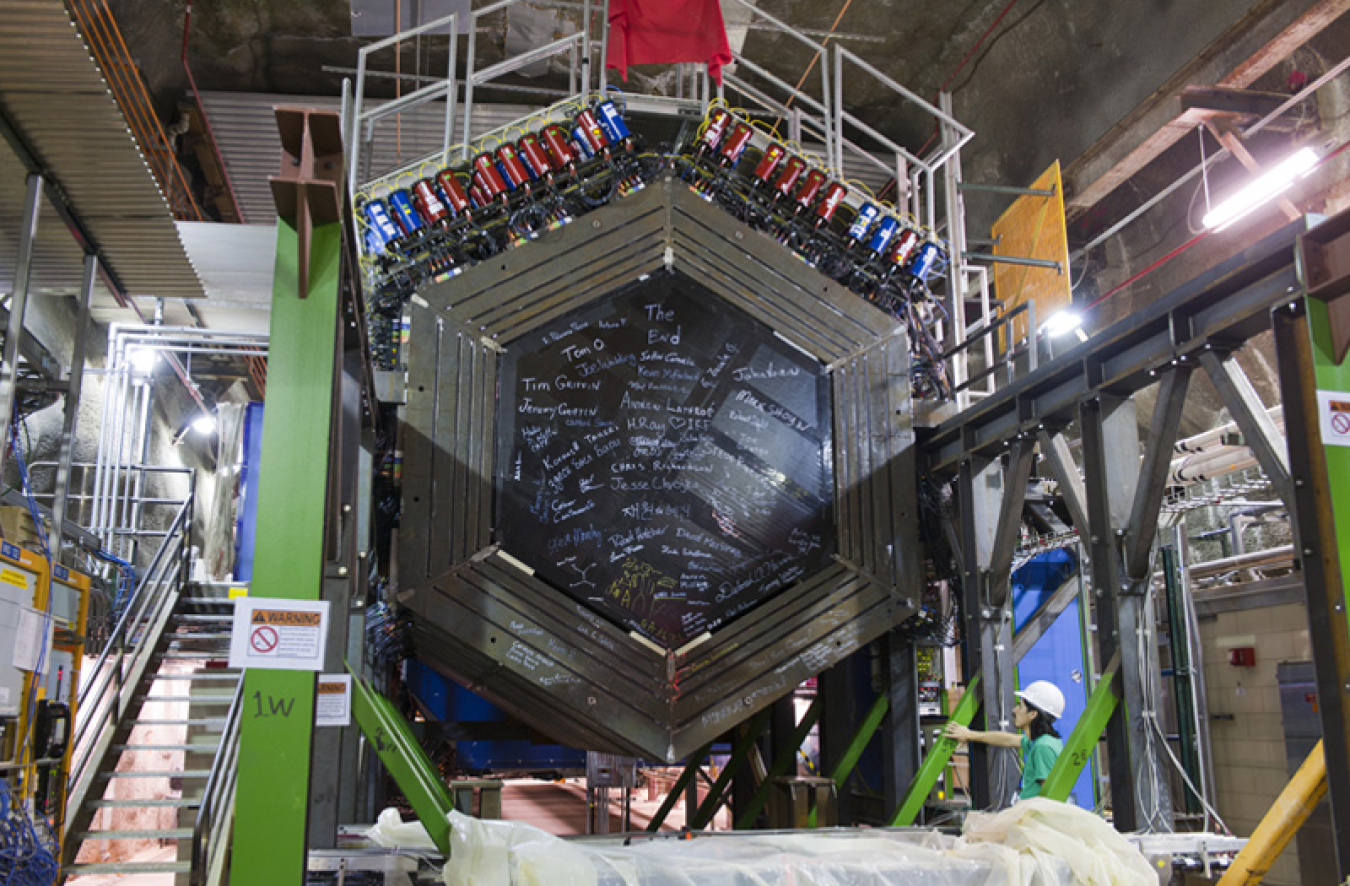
column 1038, row 80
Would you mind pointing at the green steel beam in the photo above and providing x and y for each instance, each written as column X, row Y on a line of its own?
column 400, row 753
column 1083, row 740
column 855, row 748
column 931, row 768
column 276, row 732
column 677, row 791
column 739, row 752
column 788, row 757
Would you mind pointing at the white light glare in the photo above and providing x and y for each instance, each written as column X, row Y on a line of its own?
column 1272, row 183
column 1062, row 323
column 204, row 425
column 142, row 359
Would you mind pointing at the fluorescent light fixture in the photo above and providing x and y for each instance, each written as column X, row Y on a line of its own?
column 1062, row 323
column 1271, row 184
column 142, row 360
column 204, row 425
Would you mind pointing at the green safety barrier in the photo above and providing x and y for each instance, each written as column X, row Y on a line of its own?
column 1083, row 740
column 398, row 750
column 708, row 808
column 681, row 783
column 856, row 747
column 786, row 758
column 931, row 768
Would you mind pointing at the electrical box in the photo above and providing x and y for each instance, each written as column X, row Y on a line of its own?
column 22, row 580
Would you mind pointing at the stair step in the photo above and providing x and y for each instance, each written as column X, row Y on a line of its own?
column 163, row 834
column 203, row 747
column 128, row 867
column 183, row 654
column 217, row 674
column 206, row 601
column 180, row 636
column 200, row 617
column 186, row 773
column 176, row 802
column 204, row 721
column 192, row 699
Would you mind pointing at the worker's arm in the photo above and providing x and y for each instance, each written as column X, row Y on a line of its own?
column 998, row 739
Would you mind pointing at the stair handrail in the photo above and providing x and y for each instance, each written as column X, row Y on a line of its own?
column 214, row 816
column 101, row 702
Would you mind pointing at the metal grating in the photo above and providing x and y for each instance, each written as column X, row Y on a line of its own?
column 55, row 98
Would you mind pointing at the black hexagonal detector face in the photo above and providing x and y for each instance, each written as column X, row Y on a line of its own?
column 664, row 459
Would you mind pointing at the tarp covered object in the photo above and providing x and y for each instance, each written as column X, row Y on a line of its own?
column 1035, row 843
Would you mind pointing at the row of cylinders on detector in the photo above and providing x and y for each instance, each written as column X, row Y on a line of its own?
column 535, row 160
column 788, row 178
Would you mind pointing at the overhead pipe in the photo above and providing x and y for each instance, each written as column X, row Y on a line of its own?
column 1211, row 438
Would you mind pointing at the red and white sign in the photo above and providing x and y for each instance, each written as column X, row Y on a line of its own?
column 279, row 634
column 1333, row 409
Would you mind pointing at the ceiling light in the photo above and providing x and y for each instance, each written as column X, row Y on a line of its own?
column 1062, row 323
column 204, row 425
column 142, row 360
column 1272, row 183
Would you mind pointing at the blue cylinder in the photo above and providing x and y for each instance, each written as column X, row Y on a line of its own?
column 380, row 230
column 612, row 122
column 924, row 258
column 885, row 230
column 579, row 139
column 408, row 219
column 863, row 221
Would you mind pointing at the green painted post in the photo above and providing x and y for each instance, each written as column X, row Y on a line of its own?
column 856, row 747
column 739, row 752
column 931, row 768
column 1083, row 741
column 400, row 753
column 786, row 758
column 272, row 800
column 677, row 791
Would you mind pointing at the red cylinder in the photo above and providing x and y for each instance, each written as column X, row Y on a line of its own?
column 773, row 155
column 834, row 195
column 905, row 244
column 486, row 176
column 810, row 188
column 735, row 143
column 477, row 196
column 532, row 152
column 427, row 203
column 787, row 179
column 508, row 161
column 717, row 126
column 453, row 191
column 589, row 128
column 559, row 151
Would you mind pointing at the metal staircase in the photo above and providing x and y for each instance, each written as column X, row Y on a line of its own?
column 157, row 729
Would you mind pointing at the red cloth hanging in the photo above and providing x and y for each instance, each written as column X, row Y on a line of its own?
column 643, row 32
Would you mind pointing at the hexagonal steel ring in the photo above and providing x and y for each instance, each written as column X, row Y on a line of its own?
column 486, row 618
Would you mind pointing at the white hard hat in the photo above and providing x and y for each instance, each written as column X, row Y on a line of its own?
column 1045, row 696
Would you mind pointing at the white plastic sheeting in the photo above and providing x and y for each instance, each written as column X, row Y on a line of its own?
column 1035, row 843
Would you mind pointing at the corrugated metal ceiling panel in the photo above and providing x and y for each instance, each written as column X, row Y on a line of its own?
column 246, row 131
column 53, row 94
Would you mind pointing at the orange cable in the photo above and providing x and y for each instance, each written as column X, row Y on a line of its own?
column 811, row 67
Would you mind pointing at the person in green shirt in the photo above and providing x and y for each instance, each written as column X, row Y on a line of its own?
column 1038, row 707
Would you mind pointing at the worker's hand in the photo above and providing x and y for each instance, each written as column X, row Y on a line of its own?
column 956, row 731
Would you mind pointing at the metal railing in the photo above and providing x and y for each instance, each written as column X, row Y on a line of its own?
column 106, row 697
column 215, row 818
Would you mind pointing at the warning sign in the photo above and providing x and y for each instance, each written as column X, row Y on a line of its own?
column 288, row 635
column 333, row 702
column 1333, row 408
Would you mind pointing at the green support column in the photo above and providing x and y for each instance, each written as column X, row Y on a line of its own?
column 277, row 728
column 871, row 722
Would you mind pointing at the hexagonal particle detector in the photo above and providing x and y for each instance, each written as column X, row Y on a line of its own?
column 657, row 472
